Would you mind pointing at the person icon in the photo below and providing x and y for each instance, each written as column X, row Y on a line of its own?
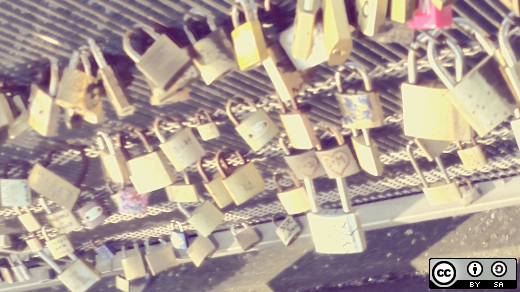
column 475, row 269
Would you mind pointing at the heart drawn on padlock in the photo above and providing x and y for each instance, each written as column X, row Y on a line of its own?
column 337, row 162
column 309, row 166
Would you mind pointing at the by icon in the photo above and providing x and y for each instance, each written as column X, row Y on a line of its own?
column 475, row 269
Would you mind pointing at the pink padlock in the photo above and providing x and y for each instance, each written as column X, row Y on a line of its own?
column 427, row 16
column 131, row 202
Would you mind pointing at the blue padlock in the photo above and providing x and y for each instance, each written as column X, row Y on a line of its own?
column 104, row 251
column 178, row 239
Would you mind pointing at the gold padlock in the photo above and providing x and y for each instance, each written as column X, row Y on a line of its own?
column 244, row 183
column 122, row 283
column 248, row 38
column 160, row 260
column 200, row 249
column 6, row 114
column 371, row 16
column 93, row 112
column 247, row 238
column 20, row 124
column 183, row 193
column 510, row 67
column 298, row 126
column 441, row 4
column 367, row 153
column 133, row 266
column 431, row 148
column 205, row 218
column 59, row 246
column 257, row 129
column 34, row 244
column 437, row 193
column 304, row 165
column 72, row 90
column 208, row 130
column 304, row 21
column 151, row 171
column 338, row 40
column 63, row 220
column 294, row 200
column 402, row 10
column 472, row 157
column 79, row 276
column 289, row 230
column 28, row 220
column 338, row 161
column 215, row 187
column 113, row 161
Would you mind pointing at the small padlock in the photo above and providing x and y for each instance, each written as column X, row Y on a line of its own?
column 511, row 67
column 122, row 283
column 471, row 195
column 21, row 273
column 294, row 200
column 402, row 10
column 247, row 238
column 93, row 214
column 79, row 276
column 367, row 153
column 64, row 220
column 360, row 109
column 6, row 241
column 257, row 129
column 28, row 220
column 215, row 187
column 338, row 161
column 205, row 218
column 59, row 246
column 244, row 183
column 214, row 54
column 20, row 124
column 289, row 230
column 179, row 239
column 130, row 201
column 104, row 251
column 200, row 249
column 160, row 260
column 6, row 114
column 208, row 130
column 93, row 112
column 151, row 171
column 305, row 165
column 304, row 21
column 34, row 244
column 318, row 49
column 336, row 31
column 472, row 157
column 431, row 148
column 113, row 161
column 438, row 193
column 183, row 193
column 248, row 38
column 371, row 15
column 428, row 16
column 72, row 90
column 7, row 274
column 14, row 192
column 298, row 126
column 133, row 266
column 182, row 149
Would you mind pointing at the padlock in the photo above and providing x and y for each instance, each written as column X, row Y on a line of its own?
column 367, row 153
column 428, row 16
column 371, row 15
column 59, row 246
column 289, row 230
column 471, row 195
column 205, row 218
column 34, row 244
column 298, row 126
column 318, row 49
column 294, row 200
column 72, row 90
column 113, row 89
column 79, row 276
column 338, row 161
column 248, row 38
column 64, row 220
column 43, row 111
column 183, row 193
column 133, row 266
column 6, row 241
column 161, row 97
column 179, row 238
column 104, row 251
column 7, row 274
column 440, row 4
column 247, row 238
column 437, row 193
column 336, row 31
column 402, row 10
column 113, row 160
column 28, row 220
column 244, row 183
column 14, row 192
column 336, row 231
column 515, row 126
column 122, row 283
column 304, row 165
column 20, row 123
column 160, row 260
column 130, row 201
column 215, row 187
column 482, row 96
column 431, row 148
column 304, row 21
column 472, row 157
column 257, row 129
column 359, row 109
column 208, row 130
column 213, row 55
column 511, row 69
column 200, row 249
column 151, row 171
column 182, row 149
column 6, row 114
column 21, row 273
column 93, row 112
column 393, row 32
column 93, row 214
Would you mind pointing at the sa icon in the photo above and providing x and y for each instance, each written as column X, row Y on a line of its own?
column 443, row 273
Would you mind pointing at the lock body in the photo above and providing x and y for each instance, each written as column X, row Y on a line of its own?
column 93, row 214
column 470, row 196
column 161, row 260
column 472, row 157
column 200, row 249
column 360, row 110
column 122, row 284
column 305, row 165
column 338, row 40
column 6, row 116
column 150, row 172
column 247, row 238
column 427, row 16
column 183, row 149
column 304, row 22
column 299, row 130
column 79, row 277
column 206, row 218
column 288, row 230
column 72, row 90
column 94, row 112
column 442, row 193
column 432, row 148
column 179, row 240
column 14, row 192
column 515, row 125
column 368, row 156
column 43, row 113
column 402, row 10
column 60, row 246
column 114, row 92
column 133, row 266
column 257, row 129
column 182, row 193
column 34, row 244
column 219, row 192
column 295, row 201
column 172, row 95
column 208, row 131
column 338, row 162
column 131, row 202
column 286, row 81
column 64, row 221
column 244, row 183
column 512, row 77
column 105, row 252
column 249, row 44
column 318, row 53
column 53, row 187
column 29, row 222
column 371, row 15
column 7, row 275
column 114, row 166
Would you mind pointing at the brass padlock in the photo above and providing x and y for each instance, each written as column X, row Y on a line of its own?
column 182, row 149
column 160, row 260
column 482, row 96
column 183, row 193
column 72, row 90
column 28, row 220
column 151, row 171
column 215, row 187
column 133, row 266
column 294, row 200
column 14, row 192
column 122, row 283
column 64, row 220
column 338, row 161
column 248, row 38
column 6, row 114
column 359, row 109
column 338, row 40
column 289, row 230
column 471, row 195
column 371, row 15
column 59, row 246
column 441, row 4
column 201, row 249
column 304, row 21
column 208, row 130
column 511, row 67
column 214, row 55
column 93, row 112
column 43, row 111
column 7, row 275
column 472, row 157
column 205, row 218
column 34, row 244
column 113, row 160
column 20, row 124
column 367, row 153
column 402, row 10
column 247, row 238
column 79, row 276
column 431, row 148
column 438, row 193
column 298, row 126
column 305, row 165
column 257, row 129
column 318, row 49
column 515, row 126
column 244, row 183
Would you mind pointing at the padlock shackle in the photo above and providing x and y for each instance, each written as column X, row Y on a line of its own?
column 415, row 165
column 412, row 54
column 143, row 139
column 181, row 229
column 441, row 72
column 147, row 246
column 44, row 233
column 341, row 183
column 503, row 41
column 296, row 182
column 87, row 67
column 443, row 170
column 186, row 177
column 366, row 136
column 283, row 108
column 97, row 53
column 74, row 60
column 128, row 49
column 204, row 112
column 157, row 130
column 233, row 229
column 193, row 12
column 251, row 12
column 283, row 146
column 480, row 35
column 50, row 262
column 183, row 210
column 201, row 170
column 45, row 206
column 55, row 76
column 107, row 141
column 356, row 67
column 219, row 166
column 229, row 111
column 335, row 132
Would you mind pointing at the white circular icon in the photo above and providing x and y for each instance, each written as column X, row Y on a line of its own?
column 443, row 273
column 498, row 269
column 475, row 269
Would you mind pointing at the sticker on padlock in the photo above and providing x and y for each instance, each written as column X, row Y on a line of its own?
column 338, row 161
column 208, row 130
column 93, row 214
column 294, row 200
column 160, row 260
column 298, row 126
column 183, row 193
column 104, row 251
column 215, row 187
column 179, row 239
column 200, row 249
column 289, row 230
column 472, row 157
column 14, row 192
column 131, row 202
column 205, row 218
column 247, row 238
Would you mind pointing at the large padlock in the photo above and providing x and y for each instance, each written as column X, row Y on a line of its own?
column 215, row 187
column 304, row 21
column 337, row 231
column 113, row 160
column 367, row 153
column 79, row 276
column 244, row 183
column 213, row 55
column 359, row 109
column 437, row 193
column 72, row 90
column 298, row 126
column 20, row 124
column 6, row 114
column 179, row 239
column 208, row 130
column 472, row 157
column 151, row 171
column 28, row 220
column 205, row 218
column 337, row 161
column 432, row 148
column 160, row 260
column 43, row 111
column 338, row 40
column 200, row 249
column 428, row 16
column 133, row 266
column 371, row 16
column 183, row 193
column 64, row 220
column 14, row 192
column 248, row 38
column 482, row 96
column 182, row 149
column 257, row 129
column 59, row 246
column 247, row 238
column 402, row 10
column 304, row 165
column 318, row 49
column 289, row 230
column 511, row 67
column 294, row 200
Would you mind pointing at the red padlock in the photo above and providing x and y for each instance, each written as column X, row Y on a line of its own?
column 427, row 16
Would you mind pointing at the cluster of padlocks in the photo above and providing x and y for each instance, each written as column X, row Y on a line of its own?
column 435, row 114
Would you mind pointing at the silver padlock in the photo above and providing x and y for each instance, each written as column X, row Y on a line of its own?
column 471, row 195
column 288, row 231
column 14, row 192
column 21, row 272
column 247, row 238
